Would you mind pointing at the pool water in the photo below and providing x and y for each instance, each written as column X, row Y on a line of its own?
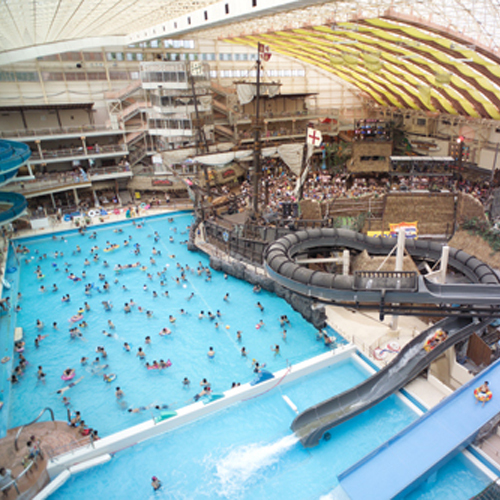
column 248, row 452
column 186, row 347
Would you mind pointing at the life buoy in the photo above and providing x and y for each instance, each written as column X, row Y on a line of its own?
column 225, row 236
column 93, row 213
column 379, row 353
column 76, row 317
column 393, row 346
column 109, row 378
column 67, row 218
column 69, row 377
column 5, row 359
column 482, row 396
column 142, row 205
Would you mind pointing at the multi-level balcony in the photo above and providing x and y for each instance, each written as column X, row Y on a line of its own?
column 68, row 180
column 70, row 154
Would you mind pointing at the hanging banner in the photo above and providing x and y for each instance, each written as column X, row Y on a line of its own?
column 314, row 137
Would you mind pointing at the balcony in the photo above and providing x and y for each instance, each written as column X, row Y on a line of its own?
column 59, row 155
column 59, row 133
column 63, row 181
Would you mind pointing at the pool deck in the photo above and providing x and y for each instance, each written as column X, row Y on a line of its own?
column 55, row 437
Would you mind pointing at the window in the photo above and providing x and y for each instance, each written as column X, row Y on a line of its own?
column 205, row 15
column 254, row 3
column 92, row 56
column 189, row 20
column 139, row 57
column 421, row 122
column 118, row 75
column 154, row 44
column 226, row 8
column 225, row 57
column 130, row 56
column 134, row 75
column 177, row 44
column 213, row 74
column 26, row 76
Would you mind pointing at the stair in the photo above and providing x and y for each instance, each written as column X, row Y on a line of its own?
column 123, row 93
column 224, row 131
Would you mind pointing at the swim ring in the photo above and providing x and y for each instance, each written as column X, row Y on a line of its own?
column 168, row 364
column 19, row 349
column 76, row 317
column 93, row 213
column 109, row 378
column 11, row 269
column 379, row 353
column 142, row 205
column 67, row 218
column 393, row 346
column 5, row 359
column 41, row 276
column 69, row 377
column 482, row 396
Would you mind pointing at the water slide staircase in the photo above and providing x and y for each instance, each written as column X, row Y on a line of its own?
column 313, row 423
column 399, row 465
column 13, row 155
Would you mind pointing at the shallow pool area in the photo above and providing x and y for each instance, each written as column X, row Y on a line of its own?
column 186, row 347
column 248, row 451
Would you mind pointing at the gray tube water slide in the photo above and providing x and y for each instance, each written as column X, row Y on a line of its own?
column 407, row 287
column 313, row 423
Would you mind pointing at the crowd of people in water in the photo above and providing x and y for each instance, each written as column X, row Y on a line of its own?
column 160, row 278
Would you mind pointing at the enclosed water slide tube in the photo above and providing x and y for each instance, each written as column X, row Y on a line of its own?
column 13, row 155
column 313, row 423
column 372, row 286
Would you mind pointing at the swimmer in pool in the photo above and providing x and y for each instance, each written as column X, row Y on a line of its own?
column 126, row 346
column 119, row 393
column 186, row 382
column 275, row 349
column 165, row 331
column 211, row 353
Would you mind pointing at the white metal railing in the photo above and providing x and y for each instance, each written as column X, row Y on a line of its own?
column 50, row 181
column 82, row 129
column 81, row 151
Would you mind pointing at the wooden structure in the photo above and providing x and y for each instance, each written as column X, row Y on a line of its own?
column 370, row 157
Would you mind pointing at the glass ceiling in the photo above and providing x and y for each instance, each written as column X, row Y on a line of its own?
column 432, row 55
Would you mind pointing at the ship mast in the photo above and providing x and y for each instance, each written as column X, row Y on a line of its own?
column 256, row 144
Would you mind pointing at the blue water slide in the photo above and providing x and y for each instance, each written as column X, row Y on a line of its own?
column 13, row 155
column 407, row 459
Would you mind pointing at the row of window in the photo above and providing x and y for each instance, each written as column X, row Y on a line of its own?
column 166, row 43
column 170, row 124
column 55, row 76
column 171, row 56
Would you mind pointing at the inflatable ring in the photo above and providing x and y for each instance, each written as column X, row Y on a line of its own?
column 76, row 317
column 41, row 276
column 393, row 346
column 482, row 396
column 5, row 359
column 11, row 269
column 379, row 353
column 69, row 377
column 142, row 205
column 110, row 378
column 93, row 213
column 67, row 218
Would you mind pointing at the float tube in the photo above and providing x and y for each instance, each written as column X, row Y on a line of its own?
column 484, row 397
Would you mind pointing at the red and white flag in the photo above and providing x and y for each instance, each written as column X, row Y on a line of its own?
column 264, row 52
column 314, row 137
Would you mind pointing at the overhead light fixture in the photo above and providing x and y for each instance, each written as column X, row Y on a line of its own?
column 415, row 56
column 346, row 42
column 464, row 60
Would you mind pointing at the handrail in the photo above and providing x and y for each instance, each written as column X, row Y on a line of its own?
column 36, row 419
